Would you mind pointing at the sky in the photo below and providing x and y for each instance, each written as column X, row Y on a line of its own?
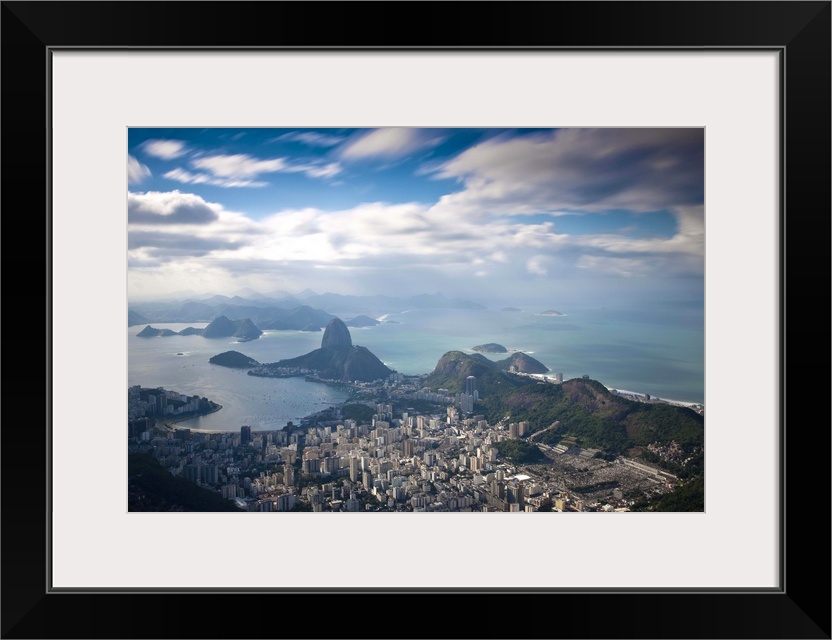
column 496, row 216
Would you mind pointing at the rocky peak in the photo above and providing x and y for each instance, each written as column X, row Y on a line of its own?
column 336, row 335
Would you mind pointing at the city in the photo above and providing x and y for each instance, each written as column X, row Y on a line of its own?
column 396, row 447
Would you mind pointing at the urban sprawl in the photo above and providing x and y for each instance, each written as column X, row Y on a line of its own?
column 441, row 457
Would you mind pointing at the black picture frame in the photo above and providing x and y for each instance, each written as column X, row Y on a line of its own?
column 799, row 31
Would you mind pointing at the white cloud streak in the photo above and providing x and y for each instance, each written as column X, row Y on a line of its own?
column 310, row 138
column 136, row 171
column 392, row 142
column 164, row 149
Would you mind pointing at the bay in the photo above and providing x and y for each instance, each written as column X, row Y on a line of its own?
column 657, row 350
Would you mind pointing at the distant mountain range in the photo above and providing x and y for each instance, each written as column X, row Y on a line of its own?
column 285, row 311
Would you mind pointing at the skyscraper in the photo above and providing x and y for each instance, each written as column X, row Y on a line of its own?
column 245, row 435
column 470, row 385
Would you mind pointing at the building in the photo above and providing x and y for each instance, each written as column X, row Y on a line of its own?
column 470, row 385
column 245, row 435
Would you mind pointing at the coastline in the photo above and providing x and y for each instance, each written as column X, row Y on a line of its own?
column 679, row 403
column 626, row 392
column 169, row 423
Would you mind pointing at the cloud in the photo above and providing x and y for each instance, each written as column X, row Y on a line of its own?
column 136, row 171
column 239, row 166
column 316, row 170
column 624, row 267
column 165, row 227
column 164, row 149
column 165, row 208
column 177, row 244
column 242, row 170
column 538, row 265
column 387, row 143
column 591, row 170
column 182, row 175
column 311, row 138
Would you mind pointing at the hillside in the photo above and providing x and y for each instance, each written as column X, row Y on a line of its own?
column 362, row 321
column 151, row 488
column 455, row 366
column 584, row 408
column 299, row 318
column 523, row 363
column 221, row 327
column 134, row 318
column 152, row 332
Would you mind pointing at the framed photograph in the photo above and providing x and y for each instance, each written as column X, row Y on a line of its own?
column 671, row 155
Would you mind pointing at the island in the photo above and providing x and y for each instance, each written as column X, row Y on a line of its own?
column 221, row 327
column 234, row 359
column 152, row 332
column 337, row 359
column 490, row 347
column 362, row 321
column 551, row 312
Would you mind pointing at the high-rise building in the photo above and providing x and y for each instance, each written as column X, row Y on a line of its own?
column 559, row 378
column 470, row 385
column 288, row 475
column 245, row 435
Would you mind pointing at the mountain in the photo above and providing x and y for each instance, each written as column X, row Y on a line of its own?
column 134, row 318
column 338, row 358
column 362, row 321
column 234, row 359
column 191, row 331
column 336, row 335
column 296, row 319
column 455, row 366
column 221, row 327
column 523, row 363
column 583, row 408
column 151, row 332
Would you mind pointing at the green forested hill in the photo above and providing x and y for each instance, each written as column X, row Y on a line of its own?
column 584, row 408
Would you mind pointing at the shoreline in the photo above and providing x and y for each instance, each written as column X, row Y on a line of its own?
column 170, row 422
column 679, row 403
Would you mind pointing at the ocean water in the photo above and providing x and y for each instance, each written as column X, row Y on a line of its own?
column 657, row 350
